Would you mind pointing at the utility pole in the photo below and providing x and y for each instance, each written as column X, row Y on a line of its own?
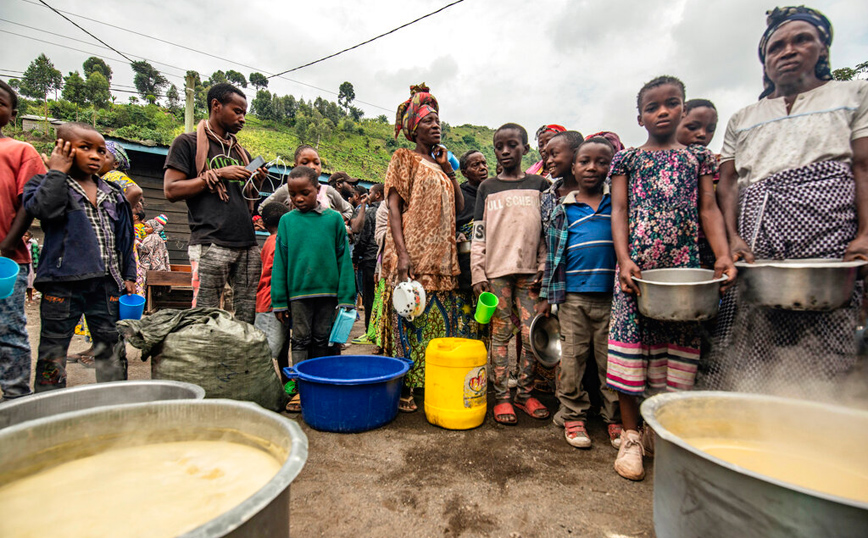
column 190, row 93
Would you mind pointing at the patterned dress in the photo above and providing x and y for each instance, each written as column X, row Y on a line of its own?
column 663, row 188
column 429, row 235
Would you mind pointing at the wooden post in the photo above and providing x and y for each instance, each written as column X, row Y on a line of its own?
column 189, row 90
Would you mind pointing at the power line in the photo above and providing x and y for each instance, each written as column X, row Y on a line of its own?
column 87, row 51
column 393, row 30
column 264, row 71
column 85, row 31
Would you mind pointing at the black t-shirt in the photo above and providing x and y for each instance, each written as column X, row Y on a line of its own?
column 213, row 221
column 469, row 204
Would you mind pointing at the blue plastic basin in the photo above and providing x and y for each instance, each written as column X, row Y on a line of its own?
column 349, row 393
column 8, row 274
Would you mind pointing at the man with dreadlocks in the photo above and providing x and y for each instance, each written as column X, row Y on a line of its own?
column 793, row 185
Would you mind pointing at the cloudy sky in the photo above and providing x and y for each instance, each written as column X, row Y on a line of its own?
column 575, row 62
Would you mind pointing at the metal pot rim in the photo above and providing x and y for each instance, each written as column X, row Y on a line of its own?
column 241, row 513
column 718, row 280
column 807, row 263
column 649, row 413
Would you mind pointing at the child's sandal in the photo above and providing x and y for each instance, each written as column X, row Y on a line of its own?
column 533, row 408
column 294, row 405
column 407, row 404
column 504, row 414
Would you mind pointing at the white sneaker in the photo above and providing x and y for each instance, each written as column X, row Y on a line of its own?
column 615, row 435
column 576, row 435
column 629, row 461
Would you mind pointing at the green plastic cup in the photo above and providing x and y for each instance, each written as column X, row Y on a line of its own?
column 485, row 307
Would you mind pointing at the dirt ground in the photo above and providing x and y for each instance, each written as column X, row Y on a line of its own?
column 412, row 478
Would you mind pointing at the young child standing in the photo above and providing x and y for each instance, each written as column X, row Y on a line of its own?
column 580, row 269
column 507, row 258
column 660, row 193
column 313, row 273
column 87, row 256
column 19, row 162
column 33, row 248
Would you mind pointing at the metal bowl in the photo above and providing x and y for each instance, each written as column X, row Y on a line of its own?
column 55, row 402
column 697, row 494
column 679, row 294
column 545, row 339
column 809, row 284
column 47, row 442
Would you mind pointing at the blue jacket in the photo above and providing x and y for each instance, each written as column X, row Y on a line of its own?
column 71, row 251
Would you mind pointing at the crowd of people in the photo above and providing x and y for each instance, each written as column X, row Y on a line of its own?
column 573, row 230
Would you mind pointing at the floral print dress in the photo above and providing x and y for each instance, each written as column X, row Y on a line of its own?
column 663, row 190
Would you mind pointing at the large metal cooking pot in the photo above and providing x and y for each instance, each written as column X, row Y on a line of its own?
column 46, row 404
column 810, row 284
column 696, row 494
column 50, row 441
column 679, row 294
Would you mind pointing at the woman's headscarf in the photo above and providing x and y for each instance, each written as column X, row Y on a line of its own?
column 157, row 227
column 410, row 112
column 120, row 155
column 613, row 139
column 554, row 128
column 782, row 15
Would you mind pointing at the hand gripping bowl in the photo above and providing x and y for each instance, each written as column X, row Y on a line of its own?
column 679, row 294
column 46, row 443
column 545, row 339
column 809, row 284
column 812, row 482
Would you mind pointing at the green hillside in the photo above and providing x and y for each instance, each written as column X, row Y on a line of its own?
column 361, row 148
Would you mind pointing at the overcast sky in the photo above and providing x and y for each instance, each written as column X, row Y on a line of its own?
column 579, row 63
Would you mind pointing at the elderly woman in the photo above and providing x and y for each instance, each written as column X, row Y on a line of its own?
column 423, row 197
column 793, row 184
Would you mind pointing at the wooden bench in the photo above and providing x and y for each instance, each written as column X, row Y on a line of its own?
column 169, row 289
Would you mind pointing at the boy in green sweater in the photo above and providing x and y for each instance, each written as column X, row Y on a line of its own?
column 313, row 272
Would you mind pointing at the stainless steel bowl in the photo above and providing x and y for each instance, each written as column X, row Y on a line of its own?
column 47, row 442
column 697, row 494
column 810, row 284
column 545, row 339
column 679, row 294
column 46, row 404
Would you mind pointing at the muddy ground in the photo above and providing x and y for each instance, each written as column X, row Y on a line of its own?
column 410, row 478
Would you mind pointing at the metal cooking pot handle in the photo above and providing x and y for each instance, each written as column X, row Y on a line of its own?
column 290, row 372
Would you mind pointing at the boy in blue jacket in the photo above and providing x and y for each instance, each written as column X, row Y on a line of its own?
column 87, row 257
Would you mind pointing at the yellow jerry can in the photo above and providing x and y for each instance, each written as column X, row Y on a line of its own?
column 455, row 383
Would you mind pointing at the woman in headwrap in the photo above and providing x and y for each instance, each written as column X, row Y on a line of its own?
column 153, row 254
column 423, row 197
column 543, row 135
column 114, row 170
column 793, row 185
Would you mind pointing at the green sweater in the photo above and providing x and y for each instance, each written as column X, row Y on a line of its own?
column 312, row 259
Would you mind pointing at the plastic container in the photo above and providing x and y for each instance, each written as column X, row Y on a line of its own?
column 455, row 383
column 343, row 325
column 485, row 307
column 8, row 274
column 349, row 393
column 131, row 306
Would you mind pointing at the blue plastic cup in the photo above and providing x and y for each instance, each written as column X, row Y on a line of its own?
column 131, row 306
column 8, row 275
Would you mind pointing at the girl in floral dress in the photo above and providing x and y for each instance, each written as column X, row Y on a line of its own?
column 661, row 192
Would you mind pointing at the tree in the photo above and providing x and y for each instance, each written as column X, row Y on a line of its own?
column 148, row 80
column 261, row 104
column 216, row 78
column 382, row 118
column 75, row 91
column 40, row 78
column 174, row 100
column 236, row 78
column 133, row 99
column 356, row 114
column 847, row 73
column 346, row 95
column 97, row 92
column 259, row 81
column 97, row 64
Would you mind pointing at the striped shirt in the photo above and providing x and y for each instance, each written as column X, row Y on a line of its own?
column 100, row 221
column 590, row 252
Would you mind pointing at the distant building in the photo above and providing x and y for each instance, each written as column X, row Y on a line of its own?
column 31, row 122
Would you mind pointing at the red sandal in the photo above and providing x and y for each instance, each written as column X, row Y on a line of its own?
column 533, row 408
column 504, row 414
